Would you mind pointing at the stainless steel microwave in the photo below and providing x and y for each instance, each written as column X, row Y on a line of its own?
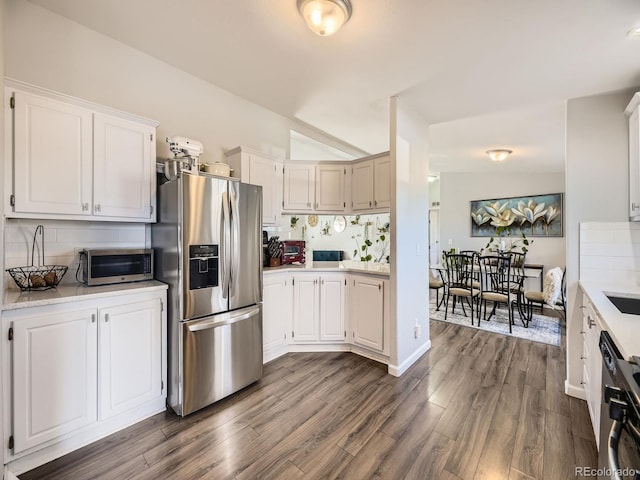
column 101, row 267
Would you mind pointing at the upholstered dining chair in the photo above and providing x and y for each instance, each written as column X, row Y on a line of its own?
column 498, row 282
column 461, row 284
column 437, row 283
column 554, row 293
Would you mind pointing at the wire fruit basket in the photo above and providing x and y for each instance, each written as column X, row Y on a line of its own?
column 40, row 277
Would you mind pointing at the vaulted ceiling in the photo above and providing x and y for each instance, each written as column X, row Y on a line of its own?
column 483, row 74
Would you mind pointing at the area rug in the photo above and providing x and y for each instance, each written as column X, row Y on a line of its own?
column 541, row 328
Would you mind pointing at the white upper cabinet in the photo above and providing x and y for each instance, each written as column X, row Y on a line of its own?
column 299, row 187
column 634, row 157
column 362, row 186
column 312, row 187
column 52, row 152
column 330, row 188
column 260, row 169
column 72, row 159
column 122, row 180
column 370, row 186
column 382, row 182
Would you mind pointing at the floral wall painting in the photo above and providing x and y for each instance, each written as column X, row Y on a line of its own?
column 535, row 216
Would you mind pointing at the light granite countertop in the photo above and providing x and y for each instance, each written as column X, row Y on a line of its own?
column 624, row 328
column 14, row 299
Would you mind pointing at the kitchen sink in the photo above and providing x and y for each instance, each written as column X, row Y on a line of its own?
column 626, row 304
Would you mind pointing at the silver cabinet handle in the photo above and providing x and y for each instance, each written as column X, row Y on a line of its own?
column 97, row 208
column 85, row 207
column 634, row 206
column 369, row 202
column 375, row 203
column 93, row 318
column 106, row 318
column 591, row 322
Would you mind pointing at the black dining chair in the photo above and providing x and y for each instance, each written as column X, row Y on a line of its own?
column 461, row 283
column 497, row 279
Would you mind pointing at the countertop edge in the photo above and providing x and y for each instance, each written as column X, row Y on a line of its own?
column 302, row 269
column 623, row 328
column 15, row 299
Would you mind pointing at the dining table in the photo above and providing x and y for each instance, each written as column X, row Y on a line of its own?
column 526, row 272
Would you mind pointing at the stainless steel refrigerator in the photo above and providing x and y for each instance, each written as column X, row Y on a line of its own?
column 208, row 248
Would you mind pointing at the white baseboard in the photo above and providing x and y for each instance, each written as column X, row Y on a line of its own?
column 576, row 391
column 9, row 475
column 398, row 370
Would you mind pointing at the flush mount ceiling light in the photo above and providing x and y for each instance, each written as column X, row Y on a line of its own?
column 634, row 33
column 499, row 154
column 325, row 17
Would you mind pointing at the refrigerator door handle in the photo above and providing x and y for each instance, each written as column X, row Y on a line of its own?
column 235, row 239
column 226, row 319
column 225, row 244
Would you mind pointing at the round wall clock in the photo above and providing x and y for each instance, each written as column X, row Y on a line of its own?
column 312, row 220
column 339, row 224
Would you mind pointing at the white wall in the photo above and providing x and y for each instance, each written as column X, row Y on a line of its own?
column 597, row 189
column 409, row 237
column 50, row 51
column 458, row 189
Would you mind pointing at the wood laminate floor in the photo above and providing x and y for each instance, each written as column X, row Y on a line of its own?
column 476, row 406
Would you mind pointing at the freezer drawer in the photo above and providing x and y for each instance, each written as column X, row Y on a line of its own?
column 221, row 355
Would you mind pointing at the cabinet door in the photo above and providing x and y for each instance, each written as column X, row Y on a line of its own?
column 52, row 156
column 592, row 362
column 305, row 308
column 276, row 312
column 130, row 356
column 54, row 375
column 367, row 312
column 382, row 183
column 124, row 164
column 634, row 165
column 332, row 302
column 330, row 188
column 362, row 186
column 268, row 174
column 299, row 187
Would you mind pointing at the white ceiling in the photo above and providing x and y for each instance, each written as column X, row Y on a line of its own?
column 492, row 73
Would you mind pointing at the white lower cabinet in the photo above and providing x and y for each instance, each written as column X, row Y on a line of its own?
column 306, row 308
column 130, row 347
column 320, row 311
column 366, row 299
column 276, row 314
column 591, row 363
column 318, row 308
column 332, row 303
column 77, row 371
column 55, row 376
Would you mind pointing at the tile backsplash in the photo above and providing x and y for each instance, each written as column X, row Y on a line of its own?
column 323, row 236
column 62, row 241
column 610, row 252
